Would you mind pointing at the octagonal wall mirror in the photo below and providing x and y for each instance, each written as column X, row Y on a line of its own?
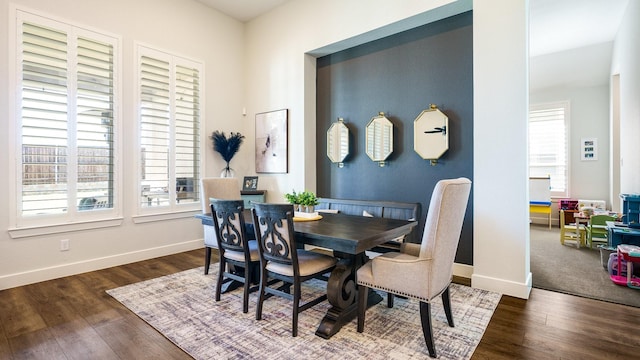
column 338, row 142
column 379, row 138
column 430, row 134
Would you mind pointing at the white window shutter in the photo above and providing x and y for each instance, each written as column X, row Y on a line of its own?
column 66, row 122
column 169, row 123
column 548, row 152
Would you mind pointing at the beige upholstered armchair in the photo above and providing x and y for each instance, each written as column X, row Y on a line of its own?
column 422, row 271
column 217, row 188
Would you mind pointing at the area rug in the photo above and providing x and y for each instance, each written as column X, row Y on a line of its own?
column 182, row 307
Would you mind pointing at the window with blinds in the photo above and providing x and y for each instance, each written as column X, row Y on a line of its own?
column 169, row 123
column 548, row 149
column 66, row 119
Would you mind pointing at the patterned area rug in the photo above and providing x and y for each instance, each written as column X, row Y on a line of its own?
column 181, row 307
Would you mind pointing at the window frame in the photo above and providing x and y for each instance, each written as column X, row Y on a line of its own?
column 175, row 209
column 565, row 104
column 23, row 226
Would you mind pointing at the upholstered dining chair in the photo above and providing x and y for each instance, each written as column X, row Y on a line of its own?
column 597, row 229
column 215, row 188
column 236, row 250
column 422, row 271
column 281, row 259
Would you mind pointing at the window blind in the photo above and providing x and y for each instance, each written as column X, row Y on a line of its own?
column 169, row 129
column 548, row 145
column 44, row 120
column 66, row 118
column 155, row 127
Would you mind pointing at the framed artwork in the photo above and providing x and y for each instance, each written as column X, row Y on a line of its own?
column 250, row 183
column 589, row 149
column 272, row 142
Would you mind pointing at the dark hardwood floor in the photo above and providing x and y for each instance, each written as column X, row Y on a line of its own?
column 73, row 318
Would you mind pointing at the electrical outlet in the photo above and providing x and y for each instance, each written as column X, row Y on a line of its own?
column 64, row 245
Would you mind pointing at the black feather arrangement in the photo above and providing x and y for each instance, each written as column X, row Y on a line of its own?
column 226, row 146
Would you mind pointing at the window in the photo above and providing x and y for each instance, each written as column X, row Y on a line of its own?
column 169, row 130
column 548, row 151
column 66, row 122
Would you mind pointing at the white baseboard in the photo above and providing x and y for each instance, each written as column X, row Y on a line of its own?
column 54, row 272
column 511, row 288
column 463, row 270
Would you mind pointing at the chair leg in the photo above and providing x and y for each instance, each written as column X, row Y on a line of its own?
column 296, row 308
column 220, row 279
column 261, row 297
column 390, row 298
column 425, row 317
column 446, row 303
column 363, row 294
column 207, row 259
column 245, row 298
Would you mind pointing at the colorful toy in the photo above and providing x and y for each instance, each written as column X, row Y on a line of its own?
column 630, row 254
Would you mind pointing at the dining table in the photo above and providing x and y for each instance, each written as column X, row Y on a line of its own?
column 349, row 237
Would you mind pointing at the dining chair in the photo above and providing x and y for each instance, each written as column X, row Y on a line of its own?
column 571, row 232
column 239, row 258
column 597, row 229
column 215, row 188
column 281, row 259
column 422, row 271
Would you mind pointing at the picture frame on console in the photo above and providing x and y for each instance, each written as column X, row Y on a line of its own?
column 250, row 183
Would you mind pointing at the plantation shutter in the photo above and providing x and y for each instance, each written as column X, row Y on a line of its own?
column 44, row 120
column 66, row 118
column 548, row 145
column 169, row 130
column 94, row 127
column 155, row 127
column 187, row 129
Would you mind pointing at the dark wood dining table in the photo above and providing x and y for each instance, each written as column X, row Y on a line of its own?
column 349, row 237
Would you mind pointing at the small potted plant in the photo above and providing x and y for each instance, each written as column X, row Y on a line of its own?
column 308, row 200
column 294, row 199
column 302, row 202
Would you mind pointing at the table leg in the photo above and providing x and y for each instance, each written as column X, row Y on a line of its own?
column 341, row 293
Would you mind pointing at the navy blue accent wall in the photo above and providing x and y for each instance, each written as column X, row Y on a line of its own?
column 400, row 75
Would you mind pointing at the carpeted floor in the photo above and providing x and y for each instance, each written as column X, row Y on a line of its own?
column 182, row 308
column 566, row 269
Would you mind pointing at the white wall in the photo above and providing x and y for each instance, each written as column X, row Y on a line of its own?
column 589, row 118
column 183, row 27
column 626, row 55
column 501, row 102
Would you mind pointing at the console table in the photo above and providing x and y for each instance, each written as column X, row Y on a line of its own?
column 251, row 196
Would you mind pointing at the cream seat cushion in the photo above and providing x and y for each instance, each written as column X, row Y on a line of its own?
column 310, row 263
column 239, row 255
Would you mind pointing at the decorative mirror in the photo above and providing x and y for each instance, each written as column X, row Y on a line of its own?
column 430, row 134
column 379, row 138
column 338, row 142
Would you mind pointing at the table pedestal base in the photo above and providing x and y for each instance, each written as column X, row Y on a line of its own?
column 341, row 294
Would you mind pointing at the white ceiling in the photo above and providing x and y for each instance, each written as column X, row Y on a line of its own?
column 558, row 25
column 243, row 10
column 569, row 40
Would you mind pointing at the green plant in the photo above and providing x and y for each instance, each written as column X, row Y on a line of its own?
column 292, row 198
column 307, row 198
